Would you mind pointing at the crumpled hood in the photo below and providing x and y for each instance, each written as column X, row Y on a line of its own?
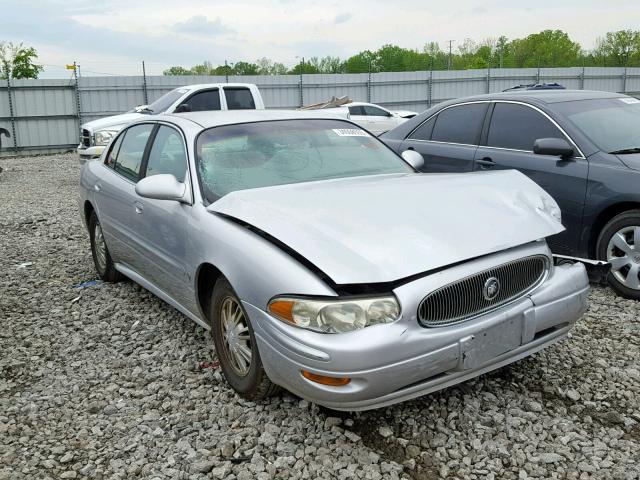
column 387, row 227
column 113, row 121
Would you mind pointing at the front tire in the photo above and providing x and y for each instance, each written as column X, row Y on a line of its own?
column 619, row 244
column 101, row 258
column 236, row 345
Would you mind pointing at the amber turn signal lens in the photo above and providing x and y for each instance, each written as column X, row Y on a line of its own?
column 332, row 381
column 282, row 309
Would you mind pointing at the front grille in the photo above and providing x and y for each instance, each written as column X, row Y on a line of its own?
column 85, row 137
column 471, row 296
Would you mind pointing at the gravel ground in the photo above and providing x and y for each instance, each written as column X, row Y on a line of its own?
column 108, row 381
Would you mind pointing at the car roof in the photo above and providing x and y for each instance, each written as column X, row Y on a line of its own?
column 230, row 117
column 544, row 96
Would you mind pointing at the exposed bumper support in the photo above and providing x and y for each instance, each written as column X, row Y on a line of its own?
column 598, row 270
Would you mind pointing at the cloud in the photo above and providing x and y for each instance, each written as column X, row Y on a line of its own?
column 201, row 25
column 342, row 18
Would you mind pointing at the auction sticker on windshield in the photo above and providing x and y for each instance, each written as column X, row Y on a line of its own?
column 350, row 132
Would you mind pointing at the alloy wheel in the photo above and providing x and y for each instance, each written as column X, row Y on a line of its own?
column 623, row 253
column 100, row 248
column 235, row 335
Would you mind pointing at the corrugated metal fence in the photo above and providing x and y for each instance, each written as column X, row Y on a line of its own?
column 45, row 115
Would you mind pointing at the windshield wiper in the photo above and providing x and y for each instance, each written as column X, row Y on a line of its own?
column 626, row 151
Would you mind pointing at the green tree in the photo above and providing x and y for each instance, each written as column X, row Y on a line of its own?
column 619, row 48
column 327, row 64
column 177, row 71
column 18, row 61
column 205, row 68
column 549, row 48
column 304, row 67
column 269, row 67
column 245, row 68
column 359, row 63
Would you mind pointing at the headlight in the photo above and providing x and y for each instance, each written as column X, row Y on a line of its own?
column 335, row 316
column 103, row 137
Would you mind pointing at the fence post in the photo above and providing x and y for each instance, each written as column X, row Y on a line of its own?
column 300, row 90
column 489, row 79
column 624, row 80
column 144, row 85
column 369, row 84
column 12, row 117
column 430, row 84
column 76, row 88
column 582, row 77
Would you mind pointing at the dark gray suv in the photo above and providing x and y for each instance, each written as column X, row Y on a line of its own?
column 583, row 147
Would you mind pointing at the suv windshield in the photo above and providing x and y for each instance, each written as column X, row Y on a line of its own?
column 613, row 124
column 262, row 154
column 165, row 101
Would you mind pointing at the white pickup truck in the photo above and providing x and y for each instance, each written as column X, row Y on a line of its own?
column 96, row 135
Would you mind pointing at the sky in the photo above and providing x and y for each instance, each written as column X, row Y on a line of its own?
column 114, row 36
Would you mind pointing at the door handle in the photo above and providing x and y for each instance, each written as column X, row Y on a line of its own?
column 410, row 148
column 139, row 207
column 486, row 162
column 97, row 187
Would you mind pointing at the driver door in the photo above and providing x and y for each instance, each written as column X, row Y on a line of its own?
column 164, row 223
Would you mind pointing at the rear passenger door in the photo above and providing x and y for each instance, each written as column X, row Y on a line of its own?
column 116, row 199
column 507, row 142
column 239, row 98
column 449, row 139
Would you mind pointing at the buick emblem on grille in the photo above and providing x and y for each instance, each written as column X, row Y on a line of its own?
column 491, row 288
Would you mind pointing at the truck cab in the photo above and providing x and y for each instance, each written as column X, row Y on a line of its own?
column 96, row 135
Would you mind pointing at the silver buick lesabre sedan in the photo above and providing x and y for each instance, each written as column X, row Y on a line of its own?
column 321, row 261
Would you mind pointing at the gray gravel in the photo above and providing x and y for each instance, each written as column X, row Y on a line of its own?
column 107, row 381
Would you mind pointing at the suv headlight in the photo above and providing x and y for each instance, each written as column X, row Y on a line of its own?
column 335, row 316
column 103, row 137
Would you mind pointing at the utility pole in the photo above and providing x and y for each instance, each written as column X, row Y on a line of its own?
column 226, row 72
column 449, row 60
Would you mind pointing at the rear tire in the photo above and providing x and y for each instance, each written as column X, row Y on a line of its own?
column 236, row 345
column 101, row 257
column 619, row 244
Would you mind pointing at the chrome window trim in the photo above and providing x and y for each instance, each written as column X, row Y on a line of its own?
column 580, row 155
column 544, row 114
column 408, row 137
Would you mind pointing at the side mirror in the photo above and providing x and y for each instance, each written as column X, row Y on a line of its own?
column 161, row 187
column 557, row 147
column 183, row 108
column 413, row 158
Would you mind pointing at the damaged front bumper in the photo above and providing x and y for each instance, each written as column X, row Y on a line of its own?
column 397, row 362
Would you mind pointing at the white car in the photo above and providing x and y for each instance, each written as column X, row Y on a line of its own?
column 375, row 118
column 96, row 135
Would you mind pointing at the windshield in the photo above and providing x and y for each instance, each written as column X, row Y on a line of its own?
column 262, row 154
column 165, row 101
column 613, row 124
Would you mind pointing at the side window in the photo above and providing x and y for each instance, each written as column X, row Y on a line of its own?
column 204, row 101
column 460, row 124
column 167, row 154
column 518, row 127
column 131, row 151
column 423, row 132
column 110, row 161
column 375, row 112
column 356, row 110
column 239, row 98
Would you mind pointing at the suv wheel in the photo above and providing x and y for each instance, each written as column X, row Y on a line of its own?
column 619, row 244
